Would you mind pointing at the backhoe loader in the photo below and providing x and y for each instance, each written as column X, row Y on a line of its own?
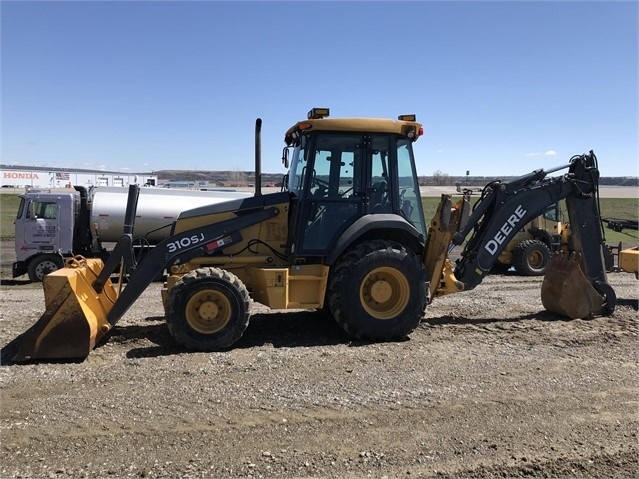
column 346, row 233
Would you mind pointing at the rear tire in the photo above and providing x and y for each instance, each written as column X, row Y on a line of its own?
column 43, row 265
column 378, row 291
column 531, row 258
column 208, row 309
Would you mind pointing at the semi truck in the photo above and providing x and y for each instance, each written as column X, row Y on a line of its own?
column 53, row 226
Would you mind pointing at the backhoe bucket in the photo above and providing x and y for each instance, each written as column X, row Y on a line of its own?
column 567, row 291
column 75, row 317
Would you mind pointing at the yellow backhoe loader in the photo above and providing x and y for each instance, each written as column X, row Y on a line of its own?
column 346, row 233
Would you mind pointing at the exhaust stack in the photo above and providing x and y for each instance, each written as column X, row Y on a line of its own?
column 258, row 157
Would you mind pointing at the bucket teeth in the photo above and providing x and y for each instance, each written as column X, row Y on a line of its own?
column 75, row 318
column 567, row 291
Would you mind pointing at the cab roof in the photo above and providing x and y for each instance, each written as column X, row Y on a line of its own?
column 408, row 129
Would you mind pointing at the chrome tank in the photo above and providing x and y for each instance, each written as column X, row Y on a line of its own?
column 157, row 208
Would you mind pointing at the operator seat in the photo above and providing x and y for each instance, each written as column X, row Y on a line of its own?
column 379, row 190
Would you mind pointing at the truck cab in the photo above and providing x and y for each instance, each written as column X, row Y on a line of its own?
column 44, row 228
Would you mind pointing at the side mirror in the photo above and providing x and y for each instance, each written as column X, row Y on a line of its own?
column 285, row 157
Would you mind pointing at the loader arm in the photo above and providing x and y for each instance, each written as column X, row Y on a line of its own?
column 202, row 241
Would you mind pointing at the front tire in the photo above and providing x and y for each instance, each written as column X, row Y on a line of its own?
column 208, row 310
column 378, row 291
column 43, row 265
column 531, row 258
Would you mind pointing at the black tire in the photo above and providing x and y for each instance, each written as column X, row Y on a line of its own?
column 609, row 258
column 43, row 265
column 208, row 310
column 531, row 258
column 378, row 291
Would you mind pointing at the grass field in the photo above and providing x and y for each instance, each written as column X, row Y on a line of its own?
column 619, row 208
column 8, row 209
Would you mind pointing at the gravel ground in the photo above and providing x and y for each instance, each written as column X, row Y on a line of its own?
column 488, row 386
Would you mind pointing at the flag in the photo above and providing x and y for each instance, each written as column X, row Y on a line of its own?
column 62, row 176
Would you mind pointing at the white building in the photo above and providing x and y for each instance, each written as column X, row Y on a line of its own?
column 12, row 176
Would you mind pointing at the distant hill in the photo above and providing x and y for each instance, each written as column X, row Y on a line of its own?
column 246, row 178
column 221, row 178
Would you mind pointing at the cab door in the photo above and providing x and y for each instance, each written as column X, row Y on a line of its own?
column 334, row 194
column 41, row 225
column 47, row 224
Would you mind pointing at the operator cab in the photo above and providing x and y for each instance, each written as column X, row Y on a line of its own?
column 343, row 169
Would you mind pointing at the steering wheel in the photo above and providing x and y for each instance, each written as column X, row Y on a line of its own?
column 322, row 187
column 345, row 192
column 319, row 183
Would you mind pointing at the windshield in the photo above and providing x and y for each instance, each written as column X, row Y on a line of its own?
column 21, row 208
column 411, row 206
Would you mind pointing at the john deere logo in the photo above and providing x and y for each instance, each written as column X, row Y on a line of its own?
column 493, row 245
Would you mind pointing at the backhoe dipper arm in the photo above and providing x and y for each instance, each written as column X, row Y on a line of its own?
column 506, row 206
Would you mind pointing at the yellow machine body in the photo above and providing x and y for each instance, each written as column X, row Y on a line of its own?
column 629, row 260
column 270, row 278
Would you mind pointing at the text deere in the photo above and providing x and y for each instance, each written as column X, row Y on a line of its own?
column 493, row 245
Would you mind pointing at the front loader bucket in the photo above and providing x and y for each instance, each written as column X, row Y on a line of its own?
column 75, row 317
column 567, row 291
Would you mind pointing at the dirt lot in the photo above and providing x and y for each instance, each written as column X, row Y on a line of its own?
column 488, row 386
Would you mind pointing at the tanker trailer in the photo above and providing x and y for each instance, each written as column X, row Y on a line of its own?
column 51, row 227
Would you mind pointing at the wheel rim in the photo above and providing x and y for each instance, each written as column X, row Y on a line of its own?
column 535, row 259
column 44, row 268
column 384, row 293
column 208, row 311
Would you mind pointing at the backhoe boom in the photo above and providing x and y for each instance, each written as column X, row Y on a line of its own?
column 505, row 207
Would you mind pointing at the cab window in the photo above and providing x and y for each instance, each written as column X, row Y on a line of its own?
column 44, row 210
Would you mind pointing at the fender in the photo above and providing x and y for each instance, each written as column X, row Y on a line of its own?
column 551, row 240
column 368, row 223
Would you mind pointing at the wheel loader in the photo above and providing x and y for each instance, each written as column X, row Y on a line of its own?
column 346, row 234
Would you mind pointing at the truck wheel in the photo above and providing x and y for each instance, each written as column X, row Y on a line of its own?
column 208, row 309
column 531, row 258
column 378, row 291
column 43, row 265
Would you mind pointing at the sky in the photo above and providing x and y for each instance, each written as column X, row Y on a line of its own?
column 501, row 88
